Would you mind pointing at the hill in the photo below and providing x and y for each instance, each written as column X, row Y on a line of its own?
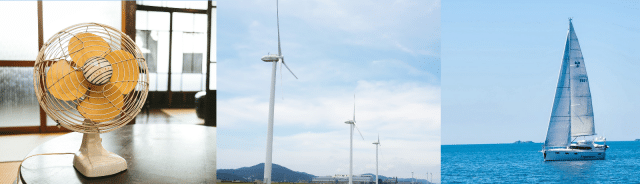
column 280, row 174
column 256, row 172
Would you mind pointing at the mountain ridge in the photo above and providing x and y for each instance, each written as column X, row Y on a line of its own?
column 281, row 174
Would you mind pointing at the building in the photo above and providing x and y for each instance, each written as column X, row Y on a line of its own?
column 344, row 178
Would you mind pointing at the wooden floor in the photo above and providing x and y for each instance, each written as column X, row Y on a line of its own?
column 8, row 171
column 13, row 148
column 169, row 116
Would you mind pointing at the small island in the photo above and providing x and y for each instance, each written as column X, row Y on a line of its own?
column 523, row 142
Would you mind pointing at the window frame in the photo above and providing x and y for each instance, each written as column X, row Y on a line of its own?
column 208, row 61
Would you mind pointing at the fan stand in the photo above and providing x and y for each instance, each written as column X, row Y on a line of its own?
column 92, row 160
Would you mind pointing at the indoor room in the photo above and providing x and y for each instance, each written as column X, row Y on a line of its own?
column 161, row 58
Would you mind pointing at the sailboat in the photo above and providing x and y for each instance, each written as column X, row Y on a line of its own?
column 572, row 113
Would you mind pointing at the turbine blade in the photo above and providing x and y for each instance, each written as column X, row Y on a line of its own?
column 354, row 108
column 281, row 95
column 278, row 22
column 354, row 125
column 285, row 65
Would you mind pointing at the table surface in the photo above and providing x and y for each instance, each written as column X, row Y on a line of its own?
column 155, row 153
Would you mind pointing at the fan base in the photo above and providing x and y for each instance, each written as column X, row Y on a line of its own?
column 92, row 160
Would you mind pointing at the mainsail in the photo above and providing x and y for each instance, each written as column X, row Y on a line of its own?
column 559, row 133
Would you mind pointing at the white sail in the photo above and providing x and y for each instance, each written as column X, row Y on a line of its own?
column 559, row 133
column 581, row 108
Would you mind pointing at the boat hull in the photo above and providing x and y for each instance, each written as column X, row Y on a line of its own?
column 573, row 154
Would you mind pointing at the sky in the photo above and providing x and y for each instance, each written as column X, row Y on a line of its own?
column 501, row 61
column 385, row 52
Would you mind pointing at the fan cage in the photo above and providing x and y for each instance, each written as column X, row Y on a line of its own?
column 66, row 113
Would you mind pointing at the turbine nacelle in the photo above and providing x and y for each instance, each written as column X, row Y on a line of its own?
column 377, row 142
column 271, row 58
column 349, row 122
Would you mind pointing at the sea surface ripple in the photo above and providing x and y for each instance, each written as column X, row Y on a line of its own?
column 523, row 163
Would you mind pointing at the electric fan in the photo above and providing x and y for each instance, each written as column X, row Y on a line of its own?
column 91, row 78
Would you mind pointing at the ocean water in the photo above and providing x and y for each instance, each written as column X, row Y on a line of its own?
column 523, row 163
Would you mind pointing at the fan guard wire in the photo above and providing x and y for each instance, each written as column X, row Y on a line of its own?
column 65, row 112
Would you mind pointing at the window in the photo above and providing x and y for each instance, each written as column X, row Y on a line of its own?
column 152, row 36
column 108, row 13
column 18, row 103
column 19, row 42
column 192, row 63
column 149, row 46
column 174, row 42
column 19, row 106
column 176, row 4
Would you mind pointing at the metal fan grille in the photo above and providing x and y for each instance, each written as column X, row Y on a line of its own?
column 67, row 60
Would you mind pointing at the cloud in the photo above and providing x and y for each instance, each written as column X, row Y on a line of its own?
column 405, row 114
column 377, row 50
column 377, row 24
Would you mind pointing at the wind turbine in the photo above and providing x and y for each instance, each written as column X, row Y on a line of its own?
column 273, row 58
column 353, row 124
column 377, row 143
column 428, row 177
column 414, row 181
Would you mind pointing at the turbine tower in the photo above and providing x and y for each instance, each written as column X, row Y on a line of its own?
column 353, row 124
column 377, row 143
column 412, row 177
column 428, row 177
column 274, row 59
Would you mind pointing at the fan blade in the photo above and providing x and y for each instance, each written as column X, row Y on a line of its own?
column 65, row 83
column 278, row 22
column 86, row 45
column 358, row 131
column 378, row 139
column 285, row 65
column 125, row 70
column 103, row 104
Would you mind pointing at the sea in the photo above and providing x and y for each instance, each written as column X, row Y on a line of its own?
column 523, row 163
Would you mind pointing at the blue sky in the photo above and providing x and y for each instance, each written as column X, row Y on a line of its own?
column 501, row 61
column 386, row 52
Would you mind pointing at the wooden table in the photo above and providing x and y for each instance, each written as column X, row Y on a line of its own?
column 155, row 153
